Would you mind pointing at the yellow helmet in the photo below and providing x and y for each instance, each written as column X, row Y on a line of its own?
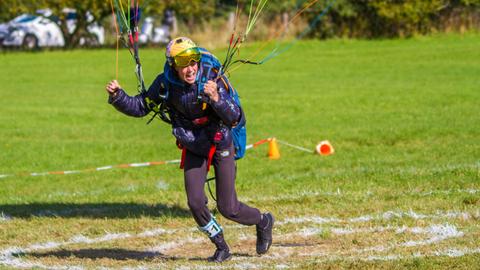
column 182, row 51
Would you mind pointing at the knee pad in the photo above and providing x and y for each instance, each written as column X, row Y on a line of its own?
column 212, row 228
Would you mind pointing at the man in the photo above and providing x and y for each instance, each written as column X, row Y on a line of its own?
column 203, row 130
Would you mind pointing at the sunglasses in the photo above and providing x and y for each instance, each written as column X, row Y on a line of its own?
column 186, row 57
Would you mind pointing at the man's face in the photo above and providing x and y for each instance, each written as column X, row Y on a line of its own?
column 188, row 73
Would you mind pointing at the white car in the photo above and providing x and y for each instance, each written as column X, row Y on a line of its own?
column 3, row 32
column 31, row 31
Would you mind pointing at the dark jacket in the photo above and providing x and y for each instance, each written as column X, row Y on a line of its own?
column 185, row 106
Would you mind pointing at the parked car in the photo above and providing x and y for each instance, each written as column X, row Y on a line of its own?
column 31, row 32
column 36, row 31
column 3, row 32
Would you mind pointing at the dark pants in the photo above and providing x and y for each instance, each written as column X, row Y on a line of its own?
column 225, row 171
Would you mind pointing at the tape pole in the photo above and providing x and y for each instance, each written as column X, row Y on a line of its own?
column 141, row 164
column 111, row 167
column 295, row 146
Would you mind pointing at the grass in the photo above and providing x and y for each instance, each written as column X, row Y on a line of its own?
column 401, row 114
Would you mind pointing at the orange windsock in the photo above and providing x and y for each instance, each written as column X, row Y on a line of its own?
column 324, row 148
column 273, row 152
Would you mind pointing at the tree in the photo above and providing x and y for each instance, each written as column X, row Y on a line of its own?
column 98, row 9
column 12, row 8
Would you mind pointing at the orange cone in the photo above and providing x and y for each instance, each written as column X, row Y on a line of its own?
column 324, row 148
column 273, row 152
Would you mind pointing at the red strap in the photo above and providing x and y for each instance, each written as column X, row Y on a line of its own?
column 182, row 161
column 213, row 148
column 200, row 121
column 217, row 138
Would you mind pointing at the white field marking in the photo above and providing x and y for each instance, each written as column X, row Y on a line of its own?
column 435, row 233
column 339, row 193
column 309, row 231
column 4, row 217
column 384, row 216
column 450, row 252
column 448, row 192
column 171, row 245
column 162, row 185
column 243, row 265
column 440, row 232
column 7, row 258
column 81, row 239
column 283, row 266
column 156, row 232
column 453, row 252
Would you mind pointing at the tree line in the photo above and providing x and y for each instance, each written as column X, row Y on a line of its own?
column 346, row 18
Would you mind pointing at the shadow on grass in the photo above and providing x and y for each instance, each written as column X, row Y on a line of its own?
column 114, row 254
column 107, row 253
column 92, row 210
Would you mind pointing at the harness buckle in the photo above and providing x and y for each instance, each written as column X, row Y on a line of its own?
column 218, row 137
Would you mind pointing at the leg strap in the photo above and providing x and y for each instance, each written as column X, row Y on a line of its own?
column 216, row 139
column 212, row 228
column 182, row 161
column 213, row 148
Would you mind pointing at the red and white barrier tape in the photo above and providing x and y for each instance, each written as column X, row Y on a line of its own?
column 121, row 166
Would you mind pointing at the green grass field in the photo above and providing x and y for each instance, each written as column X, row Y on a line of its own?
column 402, row 190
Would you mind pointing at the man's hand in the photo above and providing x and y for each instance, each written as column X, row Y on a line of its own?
column 211, row 91
column 112, row 88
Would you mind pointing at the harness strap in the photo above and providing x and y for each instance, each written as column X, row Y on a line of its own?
column 201, row 121
column 182, row 161
column 213, row 148
column 216, row 139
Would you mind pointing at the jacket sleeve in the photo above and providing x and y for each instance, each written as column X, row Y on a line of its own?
column 225, row 107
column 137, row 106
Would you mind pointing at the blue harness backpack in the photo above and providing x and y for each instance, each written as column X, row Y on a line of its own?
column 210, row 68
column 239, row 132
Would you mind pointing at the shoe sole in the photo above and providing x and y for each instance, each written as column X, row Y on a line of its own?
column 215, row 261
